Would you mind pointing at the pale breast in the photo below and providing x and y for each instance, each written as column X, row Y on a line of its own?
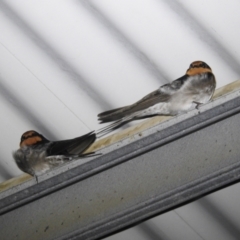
column 31, row 161
column 198, row 88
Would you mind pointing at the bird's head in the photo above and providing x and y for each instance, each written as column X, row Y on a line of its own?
column 198, row 67
column 31, row 138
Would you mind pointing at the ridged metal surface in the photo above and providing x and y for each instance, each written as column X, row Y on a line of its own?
column 63, row 62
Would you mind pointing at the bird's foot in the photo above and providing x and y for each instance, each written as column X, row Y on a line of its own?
column 36, row 177
column 198, row 104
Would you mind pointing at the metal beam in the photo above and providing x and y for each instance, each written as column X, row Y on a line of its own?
column 141, row 176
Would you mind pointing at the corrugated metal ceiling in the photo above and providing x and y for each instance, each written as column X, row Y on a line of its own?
column 63, row 62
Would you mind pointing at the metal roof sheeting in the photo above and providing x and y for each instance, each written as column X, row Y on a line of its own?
column 63, row 62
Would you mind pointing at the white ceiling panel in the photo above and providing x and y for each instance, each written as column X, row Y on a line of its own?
column 63, row 62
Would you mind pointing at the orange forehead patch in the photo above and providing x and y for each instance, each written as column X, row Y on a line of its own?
column 28, row 133
column 194, row 71
column 196, row 64
column 30, row 141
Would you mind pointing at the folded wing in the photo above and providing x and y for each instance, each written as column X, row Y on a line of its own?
column 74, row 146
column 163, row 94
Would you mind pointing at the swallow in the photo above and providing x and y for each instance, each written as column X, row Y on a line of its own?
column 196, row 87
column 37, row 154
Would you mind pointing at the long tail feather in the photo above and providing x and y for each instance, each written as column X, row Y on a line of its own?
column 117, row 124
column 109, row 128
column 104, row 114
column 112, row 115
column 83, row 155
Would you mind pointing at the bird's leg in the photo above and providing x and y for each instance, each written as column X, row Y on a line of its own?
column 198, row 104
column 36, row 177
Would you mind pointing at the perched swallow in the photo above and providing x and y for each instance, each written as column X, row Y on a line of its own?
column 194, row 88
column 37, row 154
